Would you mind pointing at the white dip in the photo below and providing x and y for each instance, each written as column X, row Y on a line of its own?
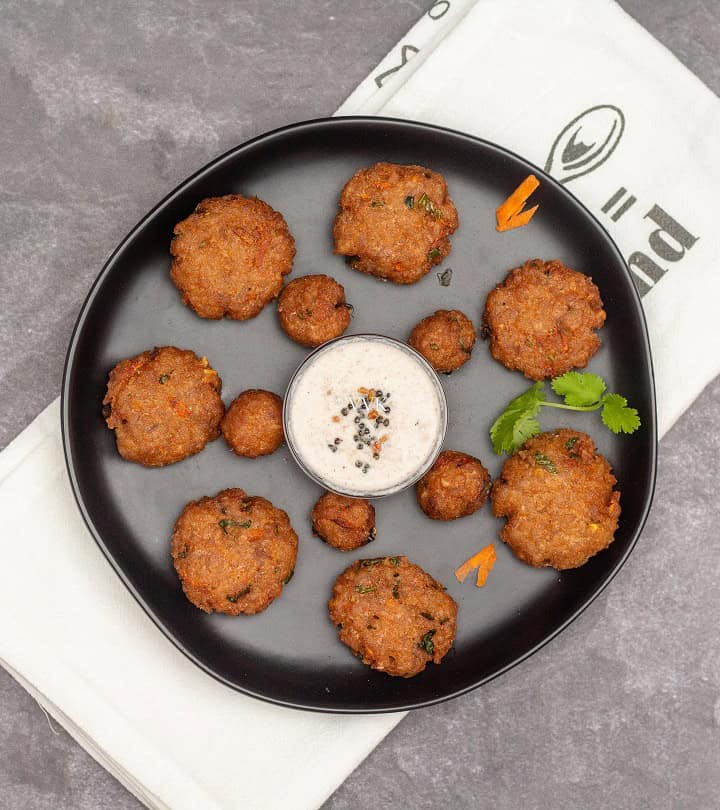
column 365, row 415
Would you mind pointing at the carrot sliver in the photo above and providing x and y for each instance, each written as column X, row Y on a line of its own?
column 517, row 199
column 510, row 213
column 485, row 558
column 462, row 572
column 469, row 565
column 486, row 565
column 518, row 220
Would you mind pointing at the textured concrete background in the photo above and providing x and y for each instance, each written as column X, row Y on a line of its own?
column 105, row 108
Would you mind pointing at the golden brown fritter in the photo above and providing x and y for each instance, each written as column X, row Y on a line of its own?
column 233, row 553
column 253, row 424
column 343, row 523
column 557, row 494
column 312, row 310
column 445, row 339
column 455, row 486
column 393, row 615
column 163, row 405
column 230, row 256
column 394, row 221
column 542, row 318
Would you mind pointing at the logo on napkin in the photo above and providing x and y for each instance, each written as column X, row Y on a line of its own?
column 584, row 144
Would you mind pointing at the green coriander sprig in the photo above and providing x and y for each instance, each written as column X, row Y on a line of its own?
column 580, row 392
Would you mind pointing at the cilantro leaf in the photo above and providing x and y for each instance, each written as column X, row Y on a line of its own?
column 579, row 389
column 581, row 392
column 516, row 424
column 617, row 416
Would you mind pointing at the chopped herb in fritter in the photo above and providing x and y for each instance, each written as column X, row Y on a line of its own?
column 543, row 461
column 426, row 642
column 426, row 204
column 239, row 594
column 225, row 523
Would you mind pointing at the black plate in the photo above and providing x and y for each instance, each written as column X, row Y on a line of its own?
column 290, row 653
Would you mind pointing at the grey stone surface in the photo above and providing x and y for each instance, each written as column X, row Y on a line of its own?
column 105, row 108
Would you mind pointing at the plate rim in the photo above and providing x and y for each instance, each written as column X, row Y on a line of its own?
column 279, row 132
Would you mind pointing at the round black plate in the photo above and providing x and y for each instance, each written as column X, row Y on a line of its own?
column 290, row 654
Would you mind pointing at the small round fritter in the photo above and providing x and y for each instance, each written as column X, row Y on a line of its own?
column 445, row 339
column 312, row 310
column 233, row 553
column 393, row 615
column 230, row 256
column 557, row 494
column 163, row 405
column 542, row 318
column 394, row 221
column 456, row 486
column 252, row 425
column 344, row 523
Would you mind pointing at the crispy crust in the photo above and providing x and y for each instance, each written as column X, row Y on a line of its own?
column 252, row 425
column 230, row 256
column 557, row 495
column 233, row 553
column 456, row 485
column 343, row 523
column 445, row 339
column 313, row 310
column 541, row 319
column 163, row 405
column 393, row 615
column 384, row 235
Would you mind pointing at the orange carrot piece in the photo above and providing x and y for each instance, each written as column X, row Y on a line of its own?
column 510, row 213
column 484, row 557
column 180, row 408
column 518, row 220
column 469, row 565
column 486, row 565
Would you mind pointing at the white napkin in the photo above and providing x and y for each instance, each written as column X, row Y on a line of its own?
column 513, row 72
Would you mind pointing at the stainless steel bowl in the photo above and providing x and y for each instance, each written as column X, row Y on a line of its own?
column 368, row 493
